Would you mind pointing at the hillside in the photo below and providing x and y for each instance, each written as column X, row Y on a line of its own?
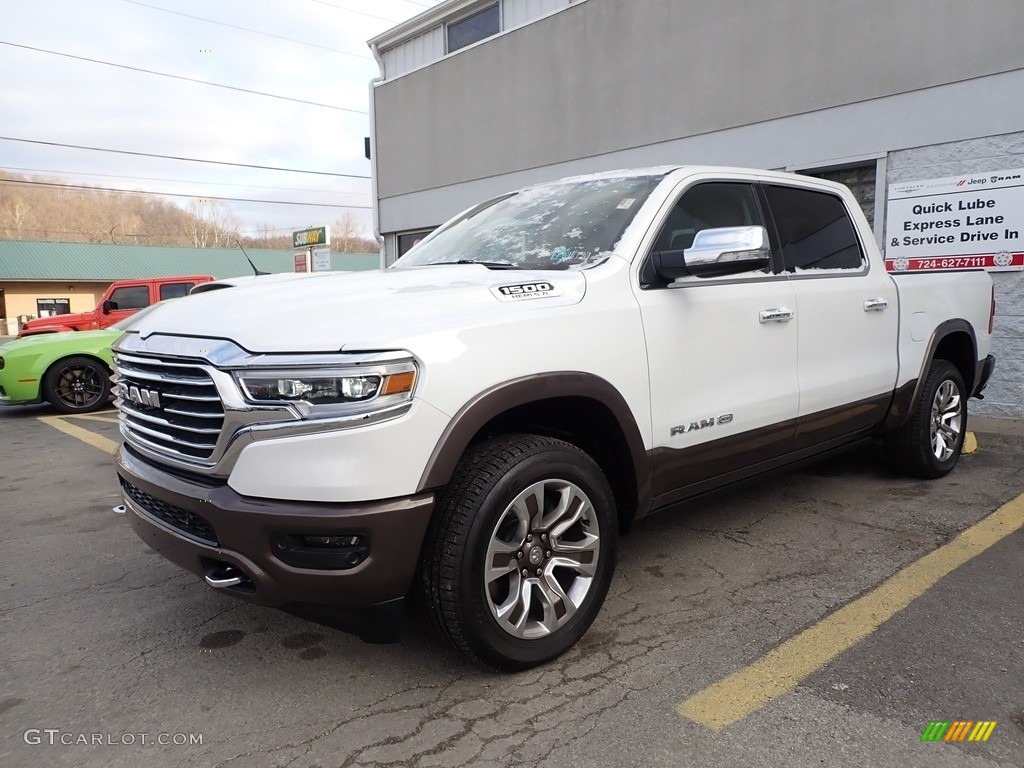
column 39, row 208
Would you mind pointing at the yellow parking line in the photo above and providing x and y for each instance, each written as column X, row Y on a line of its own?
column 785, row 667
column 97, row 441
column 91, row 417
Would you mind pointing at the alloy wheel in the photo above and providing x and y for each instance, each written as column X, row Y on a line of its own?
column 542, row 557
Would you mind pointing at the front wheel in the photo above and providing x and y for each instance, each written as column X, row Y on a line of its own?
column 520, row 553
column 929, row 444
column 77, row 384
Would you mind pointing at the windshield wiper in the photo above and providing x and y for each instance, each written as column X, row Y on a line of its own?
column 488, row 264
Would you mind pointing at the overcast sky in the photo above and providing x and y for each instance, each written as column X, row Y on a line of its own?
column 52, row 98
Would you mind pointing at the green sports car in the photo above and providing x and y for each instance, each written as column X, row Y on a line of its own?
column 69, row 370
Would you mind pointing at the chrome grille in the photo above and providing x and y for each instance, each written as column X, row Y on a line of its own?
column 168, row 406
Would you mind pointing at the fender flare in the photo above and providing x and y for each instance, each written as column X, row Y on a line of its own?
column 493, row 402
column 902, row 404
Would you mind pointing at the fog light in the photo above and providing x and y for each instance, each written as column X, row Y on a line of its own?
column 327, row 552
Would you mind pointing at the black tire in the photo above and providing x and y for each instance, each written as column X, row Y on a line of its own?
column 77, row 384
column 929, row 444
column 475, row 512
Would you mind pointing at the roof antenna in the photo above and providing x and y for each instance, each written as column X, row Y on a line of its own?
column 256, row 271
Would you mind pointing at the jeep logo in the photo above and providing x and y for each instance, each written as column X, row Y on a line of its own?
column 682, row 429
column 144, row 397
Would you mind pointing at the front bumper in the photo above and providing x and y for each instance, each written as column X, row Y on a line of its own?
column 212, row 531
column 15, row 392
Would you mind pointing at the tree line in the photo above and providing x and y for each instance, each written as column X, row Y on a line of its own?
column 95, row 215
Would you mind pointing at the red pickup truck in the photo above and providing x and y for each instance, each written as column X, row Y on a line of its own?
column 121, row 299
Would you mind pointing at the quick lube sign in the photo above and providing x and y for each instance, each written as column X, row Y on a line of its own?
column 959, row 222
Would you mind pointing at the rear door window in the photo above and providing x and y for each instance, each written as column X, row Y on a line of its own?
column 815, row 230
column 175, row 290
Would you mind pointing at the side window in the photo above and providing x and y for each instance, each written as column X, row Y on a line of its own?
column 708, row 206
column 815, row 231
column 175, row 290
column 407, row 240
column 131, row 297
column 474, row 28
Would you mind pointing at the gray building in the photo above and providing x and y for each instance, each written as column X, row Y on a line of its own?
column 478, row 97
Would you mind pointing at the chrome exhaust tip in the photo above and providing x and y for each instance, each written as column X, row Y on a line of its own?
column 225, row 575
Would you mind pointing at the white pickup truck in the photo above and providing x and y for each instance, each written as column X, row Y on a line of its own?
column 479, row 422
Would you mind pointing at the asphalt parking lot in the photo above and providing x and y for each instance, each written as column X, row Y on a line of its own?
column 823, row 617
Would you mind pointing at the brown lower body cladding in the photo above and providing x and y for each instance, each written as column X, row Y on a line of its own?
column 219, row 535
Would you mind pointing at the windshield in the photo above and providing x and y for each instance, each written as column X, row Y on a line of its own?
column 571, row 224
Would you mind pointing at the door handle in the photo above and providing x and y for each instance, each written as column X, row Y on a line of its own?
column 875, row 305
column 777, row 315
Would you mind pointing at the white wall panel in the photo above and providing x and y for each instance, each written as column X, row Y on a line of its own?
column 518, row 12
column 414, row 52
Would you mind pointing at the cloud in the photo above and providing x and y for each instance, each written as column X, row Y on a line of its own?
column 57, row 99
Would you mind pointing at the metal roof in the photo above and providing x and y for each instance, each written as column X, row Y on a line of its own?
column 44, row 260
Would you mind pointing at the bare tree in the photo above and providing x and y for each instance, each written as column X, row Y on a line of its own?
column 211, row 224
column 349, row 236
column 15, row 211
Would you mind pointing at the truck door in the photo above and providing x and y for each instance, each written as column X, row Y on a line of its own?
column 847, row 315
column 722, row 353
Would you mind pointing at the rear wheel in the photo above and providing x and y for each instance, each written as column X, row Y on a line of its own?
column 929, row 444
column 77, row 385
column 521, row 550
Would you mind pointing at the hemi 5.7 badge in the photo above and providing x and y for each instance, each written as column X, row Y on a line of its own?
column 524, row 291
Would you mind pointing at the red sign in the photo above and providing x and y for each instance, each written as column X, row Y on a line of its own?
column 1001, row 260
column 300, row 262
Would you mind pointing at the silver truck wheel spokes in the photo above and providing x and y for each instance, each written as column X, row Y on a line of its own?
column 947, row 420
column 541, row 559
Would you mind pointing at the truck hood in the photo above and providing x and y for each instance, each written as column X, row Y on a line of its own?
column 363, row 310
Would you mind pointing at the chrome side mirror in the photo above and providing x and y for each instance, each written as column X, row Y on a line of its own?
column 716, row 252
column 728, row 251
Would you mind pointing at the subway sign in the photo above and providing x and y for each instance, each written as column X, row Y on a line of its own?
column 310, row 237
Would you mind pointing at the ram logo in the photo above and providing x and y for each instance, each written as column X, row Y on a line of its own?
column 693, row 426
column 144, row 397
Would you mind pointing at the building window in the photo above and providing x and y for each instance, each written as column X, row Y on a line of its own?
column 861, row 181
column 47, row 307
column 407, row 240
column 474, row 28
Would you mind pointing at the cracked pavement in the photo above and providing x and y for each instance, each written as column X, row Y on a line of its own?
column 100, row 635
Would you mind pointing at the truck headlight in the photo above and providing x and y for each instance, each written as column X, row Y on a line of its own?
column 320, row 391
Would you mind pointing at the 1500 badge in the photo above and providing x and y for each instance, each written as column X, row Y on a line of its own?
column 682, row 429
column 524, row 291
